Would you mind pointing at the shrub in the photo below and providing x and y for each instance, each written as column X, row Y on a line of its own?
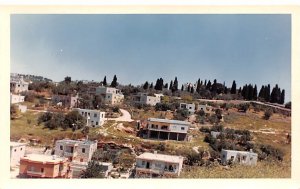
column 205, row 129
column 243, row 107
column 268, row 114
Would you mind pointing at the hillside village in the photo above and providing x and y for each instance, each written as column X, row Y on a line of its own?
column 92, row 129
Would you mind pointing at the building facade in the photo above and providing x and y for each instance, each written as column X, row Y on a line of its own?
column 14, row 99
column 241, row 157
column 65, row 100
column 191, row 108
column 110, row 95
column 18, row 85
column 75, row 150
column 158, row 165
column 165, row 129
column 94, row 118
column 143, row 98
column 17, row 151
column 44, row 166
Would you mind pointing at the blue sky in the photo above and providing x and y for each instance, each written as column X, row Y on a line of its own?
column 247, row 48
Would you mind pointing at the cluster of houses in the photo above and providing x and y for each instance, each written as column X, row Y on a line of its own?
column 71, row 157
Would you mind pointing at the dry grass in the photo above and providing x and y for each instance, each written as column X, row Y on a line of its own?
column 261, row 170
column 20, row 128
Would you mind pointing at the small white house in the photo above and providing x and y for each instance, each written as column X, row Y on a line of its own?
column 190, row 107
column 14, row 99
column 94, row 118
column 215, row 134
column 144, row 98
column 22, row 108
column 17, row 150
column 242, row 157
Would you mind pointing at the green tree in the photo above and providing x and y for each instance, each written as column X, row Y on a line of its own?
column 198, row 88
column 74, row 118
column 104, row 81
column 282, row 96
column 114, row 83
column 93, row 170
column 67, row 80
column 175, row 85
column 171, row 85
column 151, row 86
column 233, row 88
column 146, row 85
column 182, row 88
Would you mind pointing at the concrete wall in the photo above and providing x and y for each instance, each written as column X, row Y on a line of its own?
column 190, row 107
column 242, row 157
column 16, row 152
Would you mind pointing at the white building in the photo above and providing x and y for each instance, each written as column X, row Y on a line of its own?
column 94, row 118
column 165, row 129
column 14, row 99
column 22, row 108
column 76, row 150
column 190, row 107
column 242, row 157
column 144, row 98
column 17, row 84
column 17, row 150
column 158, row 165
column 111, row 95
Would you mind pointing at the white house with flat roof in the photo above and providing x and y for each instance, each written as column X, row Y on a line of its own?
column 18, row 85
column 111, row 95
column 241, row 157
column 94, row 118
column 189, row 107
column 17, row 150
column 158, row 165
column 165, row 129
column 144, row 98
column 76, row 150
column 14, row 99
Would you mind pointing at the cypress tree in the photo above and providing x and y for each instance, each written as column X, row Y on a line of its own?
column 156, row 87
column 208, row 85
column 255, row 93
column 233, row 88
column 146, row 85
column 192, row 89
column 175, row 85
column 188, row 88
column 198, row 86
column 104, row 81
column 282, row 96
column 171, row 85
column 182, row 88
column 114, row 82
column 166, row 86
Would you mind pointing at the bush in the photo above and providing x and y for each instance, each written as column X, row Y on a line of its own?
column 243, row 107
column 268, row 114
column 204, row 129
column 115, row 109
column 267, row 151
column 44, row 117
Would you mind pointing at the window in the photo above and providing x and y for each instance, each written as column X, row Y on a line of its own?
column 190, row 107
column 102, row 115
column 251, row 158
column 96, row 123
column 143, row 162
column 95, row 115
column 42, row 170
column 21, row 149
column 81, row 159
column 89, row 114
column 83, row 150
column 61, row 147
column 243, row 158
column 182, row 128
column 15, row 150
column 223, row 155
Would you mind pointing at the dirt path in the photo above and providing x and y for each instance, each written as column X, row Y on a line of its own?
column 125, row 116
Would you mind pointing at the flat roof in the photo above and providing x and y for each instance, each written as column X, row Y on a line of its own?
column 169, row 121
column 14, row 144
column 44, row 158
column 161, row 157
